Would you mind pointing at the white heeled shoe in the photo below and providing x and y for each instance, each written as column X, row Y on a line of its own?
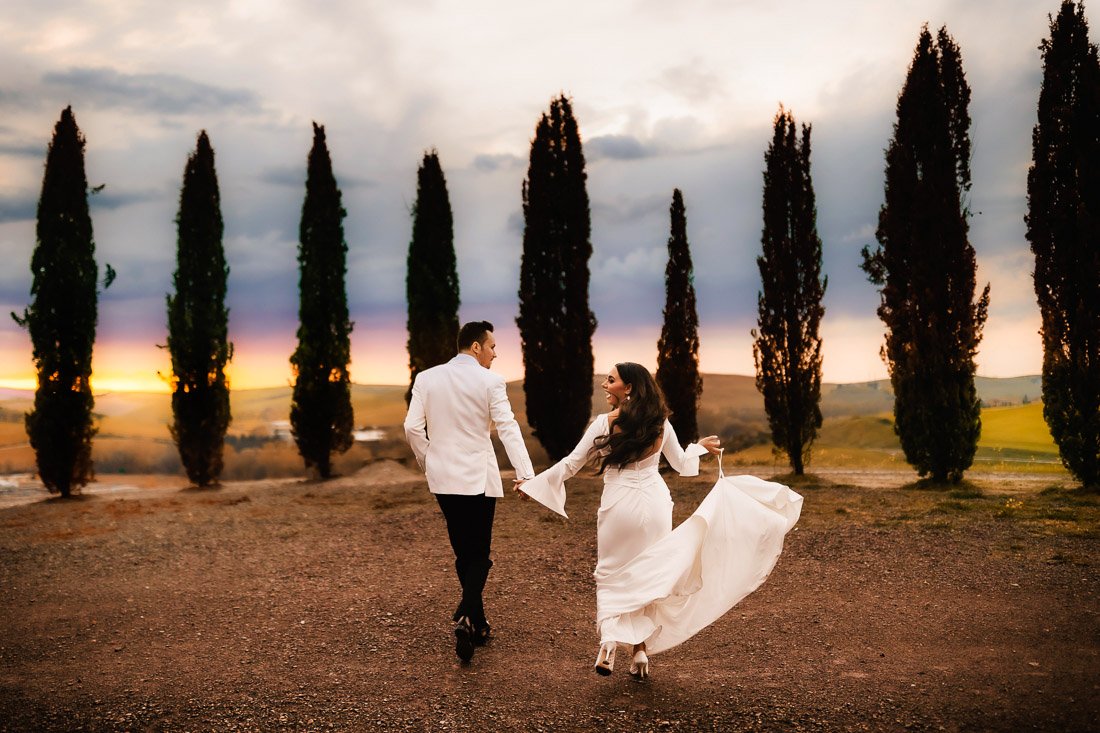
column 639, row 666
column 605, row 660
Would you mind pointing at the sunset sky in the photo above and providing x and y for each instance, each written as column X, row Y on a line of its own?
column 667, row 95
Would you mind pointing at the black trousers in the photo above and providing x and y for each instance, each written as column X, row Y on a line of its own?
column 470, row 529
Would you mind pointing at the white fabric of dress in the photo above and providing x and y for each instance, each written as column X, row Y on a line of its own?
column 662, row 586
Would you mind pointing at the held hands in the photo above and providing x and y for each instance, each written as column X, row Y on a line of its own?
column 516, row 487
column 711, row 443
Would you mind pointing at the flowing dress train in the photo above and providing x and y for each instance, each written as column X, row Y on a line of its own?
column 658, row 585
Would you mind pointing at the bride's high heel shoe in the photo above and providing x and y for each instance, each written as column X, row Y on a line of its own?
column 639, row 666
column 605, row 660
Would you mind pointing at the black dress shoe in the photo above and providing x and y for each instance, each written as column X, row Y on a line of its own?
column 483, row 635
column 464, row 639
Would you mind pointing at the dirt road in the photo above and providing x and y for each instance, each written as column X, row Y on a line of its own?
column 308, row 606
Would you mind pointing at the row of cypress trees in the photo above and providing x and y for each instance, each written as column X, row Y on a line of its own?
column 62, row 319
column 926, row 268
column 555, row 322
column 923, row 263
column 321, row 412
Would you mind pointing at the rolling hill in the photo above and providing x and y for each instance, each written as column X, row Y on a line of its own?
column 858, row 426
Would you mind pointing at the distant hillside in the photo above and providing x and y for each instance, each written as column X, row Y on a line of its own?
column 869, row 398
column 133, row 426
column 1013, row 438
column 726, row 398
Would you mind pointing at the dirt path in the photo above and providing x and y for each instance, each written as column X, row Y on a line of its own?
column 307, row 606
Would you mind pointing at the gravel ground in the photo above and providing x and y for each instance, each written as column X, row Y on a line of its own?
column 299, row 605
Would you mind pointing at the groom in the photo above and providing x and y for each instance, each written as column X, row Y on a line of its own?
column 448, row 426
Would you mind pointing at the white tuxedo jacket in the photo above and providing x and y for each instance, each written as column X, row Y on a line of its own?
column 453, row 408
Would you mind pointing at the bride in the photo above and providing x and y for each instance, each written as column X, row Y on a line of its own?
column 656, row 587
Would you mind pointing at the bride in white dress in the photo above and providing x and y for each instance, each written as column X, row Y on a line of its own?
column 655, row 586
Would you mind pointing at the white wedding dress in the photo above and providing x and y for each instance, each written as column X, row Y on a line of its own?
column 658, row 585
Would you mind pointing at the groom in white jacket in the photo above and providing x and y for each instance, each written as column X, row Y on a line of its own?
column 452, row 409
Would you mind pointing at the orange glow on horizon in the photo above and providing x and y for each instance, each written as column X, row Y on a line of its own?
column 379, row 358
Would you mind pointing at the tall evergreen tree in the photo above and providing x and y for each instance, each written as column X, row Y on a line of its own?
column 321, row 413
column 787, row 345
column 678, row 347
column 197, row 322
column 555, row 323
column 62, row 317
column 431, row 283
column 1063, row 227
column 926, row 267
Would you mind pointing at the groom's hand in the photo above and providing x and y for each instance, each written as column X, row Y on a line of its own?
column 516, row 487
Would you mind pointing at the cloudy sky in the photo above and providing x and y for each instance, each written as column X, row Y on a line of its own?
column 667, row 95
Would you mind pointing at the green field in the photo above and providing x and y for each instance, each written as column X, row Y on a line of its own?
column 1014, row 438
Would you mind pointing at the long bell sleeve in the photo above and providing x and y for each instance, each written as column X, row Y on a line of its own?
column 685, row 461
column 548, row 488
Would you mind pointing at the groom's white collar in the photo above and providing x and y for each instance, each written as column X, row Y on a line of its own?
column 458, row 358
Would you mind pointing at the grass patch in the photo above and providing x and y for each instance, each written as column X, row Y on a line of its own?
column 939, row 507
column 807, row 481
column 1059, row 514
column 966, row 491
column 929, row 485
column 1071, row 497
column 952, row 507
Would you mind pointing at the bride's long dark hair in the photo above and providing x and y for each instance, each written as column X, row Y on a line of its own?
column 640, row 422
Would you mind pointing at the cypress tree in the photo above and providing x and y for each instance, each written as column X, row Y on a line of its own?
column 320, row 412
column 197, row 322
column 431, row 283
column 926, row 268
column 62, row 317
column 787, row 345
column 678, row 347
column 555, row 324
column 1063, row 227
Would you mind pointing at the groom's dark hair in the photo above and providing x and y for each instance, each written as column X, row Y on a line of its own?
column 473, row 332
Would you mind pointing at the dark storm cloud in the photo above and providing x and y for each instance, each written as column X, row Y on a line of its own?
column 848, row 174
column 295, row 177
column 14, row 98
column 487, row 162
column 108, row 199
column 515, row 222
column 617, row 147
column 169, row 94
column 609, row 214
column 24, row 150
column 18, row 207
column 847, row 170
column 626, row 211
column 21, row 207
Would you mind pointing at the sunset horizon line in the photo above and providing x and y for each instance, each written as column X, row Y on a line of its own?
column 19, row 385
